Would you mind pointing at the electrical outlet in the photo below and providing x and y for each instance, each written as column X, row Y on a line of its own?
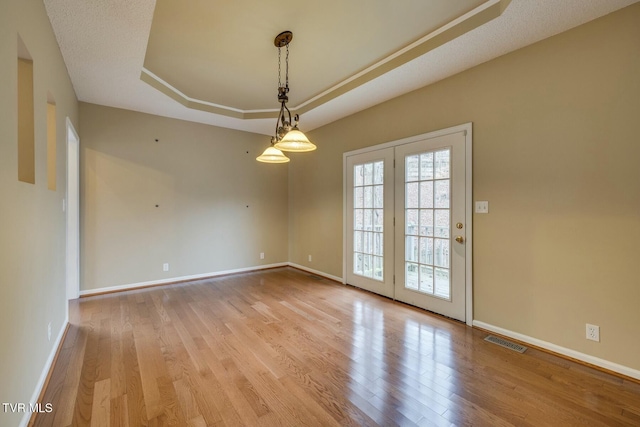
column 165, row 266
column 49, row 331
column 593, row 332
column 309, row 258
column 261, row 255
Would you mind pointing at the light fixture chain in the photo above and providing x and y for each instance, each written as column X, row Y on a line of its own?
column 287, row 67
column 279, row 72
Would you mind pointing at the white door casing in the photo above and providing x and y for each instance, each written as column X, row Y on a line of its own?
column 455, row 143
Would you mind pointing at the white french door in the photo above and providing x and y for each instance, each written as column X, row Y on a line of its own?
column 430, row 229
column 370, row 222
column 407, row 234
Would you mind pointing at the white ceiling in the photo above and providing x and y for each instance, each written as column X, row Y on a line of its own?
column 104, row 44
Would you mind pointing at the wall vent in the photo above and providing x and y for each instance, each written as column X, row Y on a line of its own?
column 506, row 344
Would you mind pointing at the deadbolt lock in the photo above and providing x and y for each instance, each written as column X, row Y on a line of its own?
column 459, row 226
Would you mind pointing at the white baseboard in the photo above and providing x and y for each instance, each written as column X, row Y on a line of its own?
column 316, row 272
column 131, row 286
column 45, row 372
column 611, row 366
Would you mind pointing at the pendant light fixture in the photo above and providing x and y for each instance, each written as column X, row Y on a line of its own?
column 272, row 155
column 287, row 137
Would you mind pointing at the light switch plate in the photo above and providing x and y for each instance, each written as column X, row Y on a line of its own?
column 482, row 206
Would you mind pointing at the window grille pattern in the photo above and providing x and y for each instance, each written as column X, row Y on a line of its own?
column 428, row 223
column 368, row 220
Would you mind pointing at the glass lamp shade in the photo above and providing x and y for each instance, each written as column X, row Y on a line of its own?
column 295, row 141
column 272, row 155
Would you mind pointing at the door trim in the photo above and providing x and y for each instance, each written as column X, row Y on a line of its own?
column 73, row 213
column 467, row 128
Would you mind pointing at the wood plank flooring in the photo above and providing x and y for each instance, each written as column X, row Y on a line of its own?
column 282, row 348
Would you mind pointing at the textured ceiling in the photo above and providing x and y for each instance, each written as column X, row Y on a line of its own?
column 104, row 44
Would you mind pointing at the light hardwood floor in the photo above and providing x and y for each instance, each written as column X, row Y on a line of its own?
column 282, row 347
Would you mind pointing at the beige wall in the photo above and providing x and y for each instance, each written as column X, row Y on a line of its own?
column 556, row 153
column 32, row 224
column 218, row 208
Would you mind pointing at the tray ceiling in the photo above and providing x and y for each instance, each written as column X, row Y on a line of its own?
column 220, row 56
column 214, row 62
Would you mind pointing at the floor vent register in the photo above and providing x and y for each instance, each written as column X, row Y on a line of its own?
column 506, row 344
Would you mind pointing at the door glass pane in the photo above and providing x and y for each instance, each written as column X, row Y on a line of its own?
column 411, row 222
column 357, row 241
column 442, row 164
column 411, row 248
column 368, row 266
column 442, row 283
column 426, row 222
column 442, row 223
column 426, row 279
column 358, row 197
column 378, row 215
column 378, row 199
column 441, row 253
column 426, row 250
column 427, row 230
column 426, row 166
column 378, row 172
column 377, row 268
column 378, row 247
column 411, row 275
column 426, row 194
column 367, row 246
column 358, row 219
column 368, row 196
column 368, row 220
column 368, row 174
column 412, row 195
column 412, row 168
column 358, row 180
column 442, row 194
column 357, row 263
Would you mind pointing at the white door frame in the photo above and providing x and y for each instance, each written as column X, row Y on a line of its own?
column 73, row 213
column 467, row 128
